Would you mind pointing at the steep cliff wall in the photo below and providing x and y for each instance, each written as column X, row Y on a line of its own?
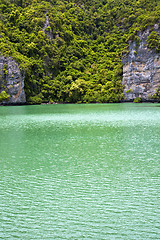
column 11, row 81
column 141, row 69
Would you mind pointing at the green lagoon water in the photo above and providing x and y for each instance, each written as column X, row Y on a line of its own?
column 80, row 171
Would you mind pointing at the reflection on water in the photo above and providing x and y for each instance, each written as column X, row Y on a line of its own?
column 80, row 171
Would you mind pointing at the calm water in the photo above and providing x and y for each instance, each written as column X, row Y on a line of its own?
column 80, row 171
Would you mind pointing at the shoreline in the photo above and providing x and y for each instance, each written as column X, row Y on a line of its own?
column 65, row 103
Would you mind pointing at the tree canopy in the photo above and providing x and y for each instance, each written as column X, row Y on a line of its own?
column 77, row 55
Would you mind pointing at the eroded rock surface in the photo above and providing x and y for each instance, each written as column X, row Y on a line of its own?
column 12, row 80
column 141, row 69
column 47, row 28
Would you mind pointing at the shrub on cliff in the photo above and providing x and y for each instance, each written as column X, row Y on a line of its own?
column 137, row 100
column 153, row 41
column 156, row 95
column 4, row 96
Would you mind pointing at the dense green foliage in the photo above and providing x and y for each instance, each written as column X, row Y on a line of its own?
column 137, row 100
column 78, row 57
column 156, row 95
column 4, row 96
column 153, row 41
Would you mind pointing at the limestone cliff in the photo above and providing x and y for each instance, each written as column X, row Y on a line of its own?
column 141, row 69
column 11, row 81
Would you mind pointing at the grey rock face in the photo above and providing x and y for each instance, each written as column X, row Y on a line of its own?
column 47, row 25
column 12, row 80
column 141, row 69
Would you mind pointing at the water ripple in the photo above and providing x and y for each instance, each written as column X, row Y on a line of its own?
column 80, row 172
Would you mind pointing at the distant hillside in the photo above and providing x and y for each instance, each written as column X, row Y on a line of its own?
column 71, row 51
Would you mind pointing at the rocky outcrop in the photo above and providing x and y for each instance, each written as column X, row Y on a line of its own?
column 11, row 81
column 141, row 69
column 47, row 27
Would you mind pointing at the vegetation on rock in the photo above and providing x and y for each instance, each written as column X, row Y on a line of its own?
column 77, row 55
column 137, row 100
column 156, row 95
column 4, row 96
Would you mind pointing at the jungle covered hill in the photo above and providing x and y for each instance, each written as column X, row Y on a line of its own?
column 71, row 51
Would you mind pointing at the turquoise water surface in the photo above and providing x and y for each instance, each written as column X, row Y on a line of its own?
column 80, row 171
